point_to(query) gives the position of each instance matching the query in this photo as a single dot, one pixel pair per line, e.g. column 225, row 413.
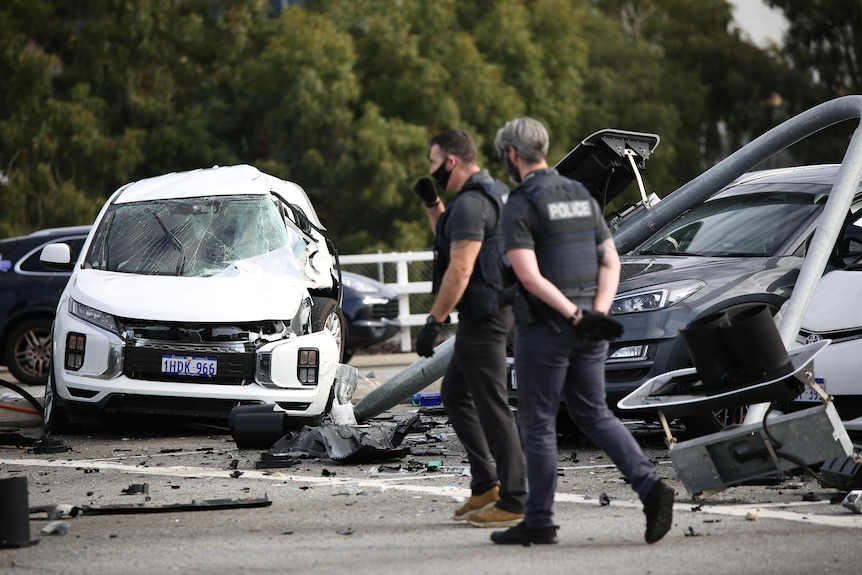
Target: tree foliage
column 341, row 96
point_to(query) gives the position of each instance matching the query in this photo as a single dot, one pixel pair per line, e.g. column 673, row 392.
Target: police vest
column 480, row 300
column 565, row 242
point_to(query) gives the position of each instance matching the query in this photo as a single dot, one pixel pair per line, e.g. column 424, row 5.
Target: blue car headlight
column 93, row 316
column 655, row 297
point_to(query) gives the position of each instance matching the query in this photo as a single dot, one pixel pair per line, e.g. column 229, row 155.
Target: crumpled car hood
column 249, row 290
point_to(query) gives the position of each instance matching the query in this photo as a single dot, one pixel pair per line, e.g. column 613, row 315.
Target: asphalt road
column 321, row 516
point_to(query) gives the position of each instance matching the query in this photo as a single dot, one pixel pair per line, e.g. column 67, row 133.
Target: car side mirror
column 57, row 257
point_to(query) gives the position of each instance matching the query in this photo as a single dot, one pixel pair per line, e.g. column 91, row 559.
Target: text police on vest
column 567, row 210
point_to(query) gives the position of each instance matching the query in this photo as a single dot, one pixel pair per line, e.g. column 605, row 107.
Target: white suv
column 196, row 292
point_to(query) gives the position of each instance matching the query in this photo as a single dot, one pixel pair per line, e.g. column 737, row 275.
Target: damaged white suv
column 196, row 292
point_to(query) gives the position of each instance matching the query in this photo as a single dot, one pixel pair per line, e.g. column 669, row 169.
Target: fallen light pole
column 412, row 379
column 762, row 445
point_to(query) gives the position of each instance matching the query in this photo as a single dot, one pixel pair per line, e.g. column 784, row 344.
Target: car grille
column 388, row 310
column 146, row 363
column 836, row 336
column 232, row 345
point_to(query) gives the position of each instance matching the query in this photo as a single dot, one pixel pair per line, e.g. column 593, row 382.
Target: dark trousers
column 474, row 395
column 550, row 365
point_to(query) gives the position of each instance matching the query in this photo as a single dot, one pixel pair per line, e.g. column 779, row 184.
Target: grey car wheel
column 326, row 314
column 28, row 351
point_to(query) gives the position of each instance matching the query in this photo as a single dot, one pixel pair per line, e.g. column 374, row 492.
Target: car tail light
column 307, row 365
column 75, row 344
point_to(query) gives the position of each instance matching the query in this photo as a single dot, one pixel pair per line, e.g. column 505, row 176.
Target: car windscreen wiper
column 667, row 253
column 181, row 262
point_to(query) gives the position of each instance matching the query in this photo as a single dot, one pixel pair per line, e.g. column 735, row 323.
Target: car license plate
column 808, row 395
column 188, row 365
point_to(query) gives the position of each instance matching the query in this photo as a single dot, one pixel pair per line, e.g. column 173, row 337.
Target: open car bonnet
column 607, row 161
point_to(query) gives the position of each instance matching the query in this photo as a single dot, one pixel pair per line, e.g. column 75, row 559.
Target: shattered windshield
column 186, row 237
column 741, row 225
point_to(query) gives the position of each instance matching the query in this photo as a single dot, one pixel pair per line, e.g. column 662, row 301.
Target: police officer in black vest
column 565, row 258
column 468, row 249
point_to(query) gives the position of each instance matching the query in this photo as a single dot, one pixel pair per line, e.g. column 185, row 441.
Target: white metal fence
column 409, row 274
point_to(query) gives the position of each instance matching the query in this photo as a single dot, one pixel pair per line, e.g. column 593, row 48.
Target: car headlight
column 359, row 285
column 655, row 297
column 93, row 316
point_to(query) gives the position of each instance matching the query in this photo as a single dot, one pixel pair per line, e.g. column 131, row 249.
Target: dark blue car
column 28, row 298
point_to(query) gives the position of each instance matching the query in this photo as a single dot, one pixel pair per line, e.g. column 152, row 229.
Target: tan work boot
column 494, row 517
column 478, row 503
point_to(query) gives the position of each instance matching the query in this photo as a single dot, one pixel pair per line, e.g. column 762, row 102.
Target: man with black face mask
column 468, row 248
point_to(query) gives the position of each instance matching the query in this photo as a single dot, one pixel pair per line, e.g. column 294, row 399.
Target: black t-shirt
column 521, row 221
column 472, row 216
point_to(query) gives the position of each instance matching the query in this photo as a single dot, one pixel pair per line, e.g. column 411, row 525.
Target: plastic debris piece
column 16, row 440
column 273, row 461
column 54, row 512
column 342, row 414
column 853, row 501
column 56, row 528
column 425, row 398
column 47, row 444
column 347, row 444
column 753, row 515
column 604, row 499
column 136, row 488
column 810, row 496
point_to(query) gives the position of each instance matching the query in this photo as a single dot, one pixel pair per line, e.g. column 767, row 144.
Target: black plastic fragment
column 136, row 488
column 47, row 444
column 204, row 505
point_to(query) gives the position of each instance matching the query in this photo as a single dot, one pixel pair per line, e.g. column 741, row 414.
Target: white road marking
column 411, row 483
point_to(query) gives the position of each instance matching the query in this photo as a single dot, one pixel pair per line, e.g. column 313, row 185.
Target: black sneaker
column 659, row 511
column 520, row 534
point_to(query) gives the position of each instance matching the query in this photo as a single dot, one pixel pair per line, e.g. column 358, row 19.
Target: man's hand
column 427, row 338
column 597, row 326
column 425, row 189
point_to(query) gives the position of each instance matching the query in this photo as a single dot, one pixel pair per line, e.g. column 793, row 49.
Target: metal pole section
column 828, row 228
column 412, row 379
column 642, row 225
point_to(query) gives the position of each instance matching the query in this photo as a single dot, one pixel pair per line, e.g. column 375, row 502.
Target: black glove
column 427, row 338
column 425, row 189
column 597, row 326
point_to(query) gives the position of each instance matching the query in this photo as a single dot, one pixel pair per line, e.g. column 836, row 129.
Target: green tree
column 722, row 84
column 823, row 53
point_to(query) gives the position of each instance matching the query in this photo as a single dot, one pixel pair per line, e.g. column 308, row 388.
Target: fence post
column 402, row 277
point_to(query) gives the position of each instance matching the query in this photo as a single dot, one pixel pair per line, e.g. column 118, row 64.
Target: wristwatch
column 431, row 320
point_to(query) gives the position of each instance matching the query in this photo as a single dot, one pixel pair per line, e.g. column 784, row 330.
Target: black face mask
column 511, row 170
column 441, row 175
